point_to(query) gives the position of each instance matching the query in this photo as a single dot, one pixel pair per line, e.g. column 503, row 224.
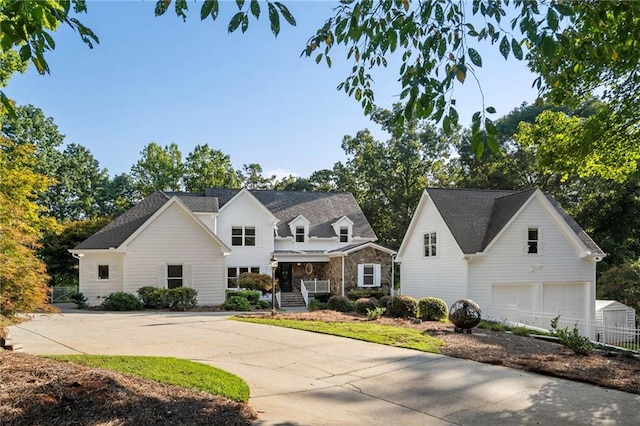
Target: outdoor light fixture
column 273, row 264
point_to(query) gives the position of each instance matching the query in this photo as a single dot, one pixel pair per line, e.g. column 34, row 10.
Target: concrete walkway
column 301, row 378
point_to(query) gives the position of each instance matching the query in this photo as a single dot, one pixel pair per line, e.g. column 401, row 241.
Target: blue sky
column 250, row 95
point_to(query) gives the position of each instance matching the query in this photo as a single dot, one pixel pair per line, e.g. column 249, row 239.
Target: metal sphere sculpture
column 465, row 314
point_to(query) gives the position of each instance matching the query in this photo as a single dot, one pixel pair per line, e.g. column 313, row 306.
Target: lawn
column 367, row 331
column 171, row 371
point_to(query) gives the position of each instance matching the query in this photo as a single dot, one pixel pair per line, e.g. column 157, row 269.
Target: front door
column 284, row 277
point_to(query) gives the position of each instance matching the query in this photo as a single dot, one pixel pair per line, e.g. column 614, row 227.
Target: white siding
column 443, row 276
column 95, row 289
column 559, row 264
column 244, row 211
column 174, row 238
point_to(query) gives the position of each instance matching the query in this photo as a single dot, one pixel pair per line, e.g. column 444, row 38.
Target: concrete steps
column 292, row 299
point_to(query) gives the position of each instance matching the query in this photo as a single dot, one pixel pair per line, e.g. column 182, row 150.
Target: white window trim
column 436, row 245
column 305, row 232
column 182, row 276
column 243, row 236
column 237, row 268
column 348, row 234
column 376, row 274
column 541, row 241
column 108, row 272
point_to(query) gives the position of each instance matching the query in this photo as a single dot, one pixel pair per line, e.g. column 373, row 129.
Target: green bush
column 258, row 282
column 79, row 299
column 580, row 345
column 374, row 314
column 316, row 305
column 182, row 298
column 153, row 297
column 253, row 296
column 384, row 302
column 365, row 304
column 236, row 303
column 264, row 304
column 432, row 309
column 402, row 307
column 364, row 293
column 491, row 325
column 340, row 304
column 322, row 297
column 121, row 301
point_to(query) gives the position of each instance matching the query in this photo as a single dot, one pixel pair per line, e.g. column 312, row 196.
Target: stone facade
column 308, row 271
column 351, row 262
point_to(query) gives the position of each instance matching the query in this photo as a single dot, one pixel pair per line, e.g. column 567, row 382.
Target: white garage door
column 505, row 297
column 569, row 299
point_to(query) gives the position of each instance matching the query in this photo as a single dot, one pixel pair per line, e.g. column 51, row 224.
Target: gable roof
column 475, row 217
column 355, row 247
column 322, row 209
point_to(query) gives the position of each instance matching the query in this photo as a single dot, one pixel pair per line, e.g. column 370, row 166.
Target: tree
column 252, row 178
column 81, row 186
column 209, row 168
column 23, row 277
column 387, row 178
column 120, row 195
column 55, row 243
column 294, row 183
column 158, row 169
column 621, row 283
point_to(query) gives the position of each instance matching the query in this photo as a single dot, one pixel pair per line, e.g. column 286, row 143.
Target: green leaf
column 439, row 14
column 25, row 53
column 552, row 19
column 328, row 60
column 161, row 7
column 475, row 57
column 255, row 8
column 240, row 3
column 476, row 143
column 446, row 125
column 235, row 21
column 492, row 142
column 318, row 58
column 274, row 18
column 505, row 47
column 8, row 104
column 206, row 9
column 245, row 23
column 516, row 49
column 491, row 110
column 286, row 14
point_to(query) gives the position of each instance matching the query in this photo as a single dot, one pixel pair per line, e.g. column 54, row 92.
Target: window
column 344, row 234
column 174, row 276
column 430, row 244
column 300, row 234
column 103, row 272
column 369, row 275
column 243, row 236
column 234, row 273
column 532, row 240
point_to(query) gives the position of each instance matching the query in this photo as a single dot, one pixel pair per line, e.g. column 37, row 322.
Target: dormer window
column 344, row 234
column 300, row 234
column 299, row 229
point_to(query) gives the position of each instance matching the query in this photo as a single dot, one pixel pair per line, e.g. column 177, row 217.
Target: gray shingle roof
column 475, row 217
column 320, row 208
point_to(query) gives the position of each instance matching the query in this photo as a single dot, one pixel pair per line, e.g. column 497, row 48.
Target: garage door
column 504, row 298
column 570, row 300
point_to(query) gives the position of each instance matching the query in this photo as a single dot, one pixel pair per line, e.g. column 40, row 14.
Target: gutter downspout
column 342, row 257
column 393, row 275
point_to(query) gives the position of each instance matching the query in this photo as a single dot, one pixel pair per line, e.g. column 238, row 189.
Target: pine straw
column 42, row 391
column 603, row 368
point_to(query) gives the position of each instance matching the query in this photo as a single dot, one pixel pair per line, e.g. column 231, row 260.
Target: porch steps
column 292, row 299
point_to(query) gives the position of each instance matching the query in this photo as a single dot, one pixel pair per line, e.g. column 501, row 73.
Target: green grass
column 367, row 331
column 171, row 371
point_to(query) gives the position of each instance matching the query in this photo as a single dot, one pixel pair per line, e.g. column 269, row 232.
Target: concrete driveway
column 301, row 378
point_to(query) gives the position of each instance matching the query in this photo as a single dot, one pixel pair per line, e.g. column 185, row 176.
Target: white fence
column 623, row 337
column 311, row 287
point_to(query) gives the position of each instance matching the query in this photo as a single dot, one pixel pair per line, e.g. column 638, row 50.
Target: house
column 513, row 252
column 323, row 243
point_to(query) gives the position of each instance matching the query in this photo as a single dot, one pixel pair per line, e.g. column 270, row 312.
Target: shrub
column 258, row 282
column 253, row 296
column 491, row 325
column 182, row 298
column 384, row 302
column 236, row 303
column 79, row 299
column 340, row 304
column 402, row 307
column 432, row 309
column 121, row 301
column 580, row 345
column 322, row 297
column 364, row 293
column 374, row 314
column 316, row 305
column 521, row 331
column 264, row 304
column 365, row 304
column 153, row 297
